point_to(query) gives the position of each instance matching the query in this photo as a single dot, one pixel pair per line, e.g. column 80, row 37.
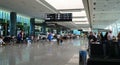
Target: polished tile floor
column 43, row 53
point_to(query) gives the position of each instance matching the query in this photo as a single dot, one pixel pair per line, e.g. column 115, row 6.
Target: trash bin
column 82, row 57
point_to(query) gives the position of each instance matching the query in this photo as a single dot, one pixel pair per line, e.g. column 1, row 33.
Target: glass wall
column 39, row 27
column 23, row 23
column 4, row 15
column 4, row 22
column 115, row 27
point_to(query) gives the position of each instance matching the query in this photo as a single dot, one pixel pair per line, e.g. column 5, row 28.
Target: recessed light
column 94, row 3
column 105, row 5
column 107, row 0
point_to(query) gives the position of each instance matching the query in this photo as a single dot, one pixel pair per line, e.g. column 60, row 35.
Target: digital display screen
column 59, row 17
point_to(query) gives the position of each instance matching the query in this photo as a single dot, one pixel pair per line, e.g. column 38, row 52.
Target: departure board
column 59, row 17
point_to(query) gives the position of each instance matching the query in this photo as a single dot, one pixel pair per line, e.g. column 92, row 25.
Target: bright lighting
column 45, row 5
column 81, row 22
column 66, row 4
column 75, row 14
column 86, row 29
column 79, row 19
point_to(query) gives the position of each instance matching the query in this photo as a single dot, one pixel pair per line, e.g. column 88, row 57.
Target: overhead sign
column 59, row 17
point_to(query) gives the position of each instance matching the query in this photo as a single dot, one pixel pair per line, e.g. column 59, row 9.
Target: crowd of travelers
column 23, row 38
column 108, row 43
column 108, row 37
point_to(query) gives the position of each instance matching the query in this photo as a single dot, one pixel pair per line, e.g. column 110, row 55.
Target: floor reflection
column 45, row 53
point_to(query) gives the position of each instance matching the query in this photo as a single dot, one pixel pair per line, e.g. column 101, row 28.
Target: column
column 44, row 27
column 58, row 30
column 32, row 26
column 51, row 30
column 12, row 24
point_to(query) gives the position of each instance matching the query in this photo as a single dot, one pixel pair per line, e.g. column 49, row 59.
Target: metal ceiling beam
column 71, row 10
column 87, row 8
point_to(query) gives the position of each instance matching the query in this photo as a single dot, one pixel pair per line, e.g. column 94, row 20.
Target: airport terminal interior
column 59, row 32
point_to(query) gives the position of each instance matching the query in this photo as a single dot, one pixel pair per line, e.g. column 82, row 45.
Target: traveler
column 109, row 37
column 1, row 41
column 50, row 37
column 118, row 38
column 92, row 38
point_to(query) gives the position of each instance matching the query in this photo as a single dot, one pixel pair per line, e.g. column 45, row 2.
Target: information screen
column 59, row 17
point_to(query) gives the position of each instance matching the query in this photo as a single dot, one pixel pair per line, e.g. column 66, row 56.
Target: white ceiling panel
column 66, row 4
column 74, row 14
column 80, row 19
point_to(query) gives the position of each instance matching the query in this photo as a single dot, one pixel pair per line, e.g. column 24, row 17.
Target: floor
column 43, row 53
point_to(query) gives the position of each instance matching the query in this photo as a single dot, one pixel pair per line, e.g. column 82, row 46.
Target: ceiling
column 31, row 8
column 79, row 20
column 102, row 13
column 38, row 9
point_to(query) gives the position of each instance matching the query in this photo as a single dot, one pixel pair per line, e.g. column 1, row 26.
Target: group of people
column 110, row 44
column 58, row 37
column 108, row 37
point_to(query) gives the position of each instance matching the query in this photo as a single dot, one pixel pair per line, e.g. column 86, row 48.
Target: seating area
column 104, row 54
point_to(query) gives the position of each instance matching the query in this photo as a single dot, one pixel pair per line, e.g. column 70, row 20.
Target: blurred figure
column 109, row 43
column 95, row 34
column 29, row 40
column 92, row 38
column 38, row 37
column 58, row 38
column 1, row 41
column 114, row 39
column 109, row 36
column 100, row 37
column 21, row 37
column 50, row 37
column 118, row 38
column 85, row 35
column 105, row 37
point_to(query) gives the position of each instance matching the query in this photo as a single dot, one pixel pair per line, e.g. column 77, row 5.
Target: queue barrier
column 94, row 61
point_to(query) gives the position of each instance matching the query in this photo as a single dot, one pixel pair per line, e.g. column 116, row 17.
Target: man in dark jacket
column 92, row 38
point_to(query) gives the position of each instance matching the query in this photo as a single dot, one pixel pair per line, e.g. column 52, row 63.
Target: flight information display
column 59, row 17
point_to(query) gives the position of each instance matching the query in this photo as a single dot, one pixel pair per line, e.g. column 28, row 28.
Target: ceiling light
column 74, row 14
column 81, row 22
column 94, row 3
column 66, row 4
column 79, row 19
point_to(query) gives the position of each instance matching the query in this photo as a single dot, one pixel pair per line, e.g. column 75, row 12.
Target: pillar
column 58, row 31
column 44, row 27
column 12, row 24
column 32, row 26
